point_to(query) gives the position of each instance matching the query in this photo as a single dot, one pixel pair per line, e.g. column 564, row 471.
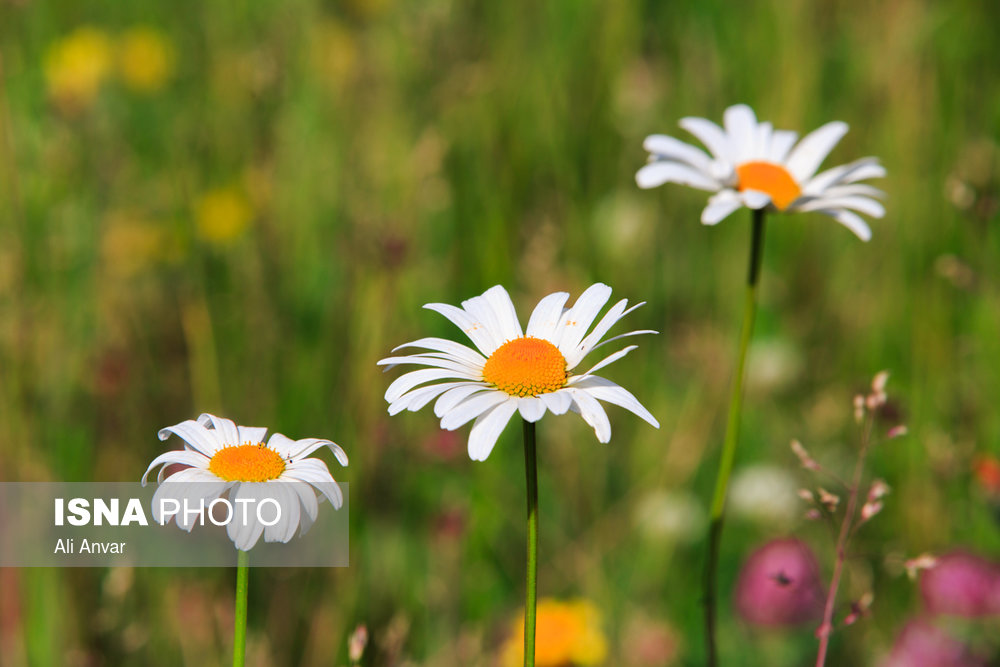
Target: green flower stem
column 531, row 475
column 240, row 631
column 732, row 436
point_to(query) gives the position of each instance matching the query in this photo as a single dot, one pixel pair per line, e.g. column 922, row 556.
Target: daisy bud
column 807, row 461
column 779, row 585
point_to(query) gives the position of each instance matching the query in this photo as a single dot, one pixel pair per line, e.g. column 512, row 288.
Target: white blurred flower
column 753, row 165
column 765, row 493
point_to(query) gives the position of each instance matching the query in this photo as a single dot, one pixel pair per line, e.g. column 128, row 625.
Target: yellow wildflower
column 566, row 634
column 145, row 59
column 76, row 66
column 222, row 214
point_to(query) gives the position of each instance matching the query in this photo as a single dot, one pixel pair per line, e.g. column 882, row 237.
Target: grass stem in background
column 732, row 438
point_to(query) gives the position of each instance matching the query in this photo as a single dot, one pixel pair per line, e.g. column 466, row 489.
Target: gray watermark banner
column 180, row 524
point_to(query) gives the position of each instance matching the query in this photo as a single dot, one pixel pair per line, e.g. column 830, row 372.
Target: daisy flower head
column 752, row 164
column 222, row 458
column 513, row 370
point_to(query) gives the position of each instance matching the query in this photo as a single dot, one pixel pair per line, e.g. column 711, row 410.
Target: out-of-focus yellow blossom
column 145, row 59
column 130, row 245
column 334, row 53
column 222, row 214
column 566, row 634
column 76, row 66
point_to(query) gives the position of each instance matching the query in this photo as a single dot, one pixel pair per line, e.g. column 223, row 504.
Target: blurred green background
column 239, row 208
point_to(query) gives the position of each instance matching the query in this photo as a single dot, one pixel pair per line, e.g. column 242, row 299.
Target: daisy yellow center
column 247, row 463
column 769, row 178
column 526, row 367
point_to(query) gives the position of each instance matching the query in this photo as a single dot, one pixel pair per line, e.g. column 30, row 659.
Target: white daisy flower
column 515, row 371
column 753, row 165
column 223, row 457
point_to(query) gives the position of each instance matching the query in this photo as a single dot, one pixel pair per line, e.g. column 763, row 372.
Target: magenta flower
column 921, row 644
column 779, row 585
column 962, row 584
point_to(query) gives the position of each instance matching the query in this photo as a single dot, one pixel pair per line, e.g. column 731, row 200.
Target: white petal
column 557, row 402
column 741, row 127
column 225, row 428
column 805, row 158
column 781, row 142
column 481, row 337
column 617, row 312
column 481, row 311
column 761, row 148
column 754, row 199
column 660, row 172
column 182, row 456
column 418, row 398
column 606, row 390
column 244, row 529
column 298, row 449
column 577, row 320
column 852, row 221
column 191, row 487
column 408, row 381
column 663, row 146
column 456, row 395
column 854, row 190
column 499, row 300
column 860, row 204
column 460, row 368
column 457, row 350
column 720, row 206
column 308, row 499
column 531, row 408
column 592, row 413
column 711, row 135
column 858, row 170
column 604, row 362
column 546, row 315
column 288, row 519
column 487, row 429
column 315, row 473
column 471, row 408
column 205, row 441
column 251, row 434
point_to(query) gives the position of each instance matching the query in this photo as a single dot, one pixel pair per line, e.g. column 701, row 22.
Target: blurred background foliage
column 239, row 208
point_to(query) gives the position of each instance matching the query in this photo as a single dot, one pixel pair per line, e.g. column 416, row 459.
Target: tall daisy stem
column 531, row 475
column 240, row 631
column 732, row 437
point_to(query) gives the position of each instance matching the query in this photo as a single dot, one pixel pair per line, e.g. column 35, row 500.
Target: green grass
column 398, row 153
